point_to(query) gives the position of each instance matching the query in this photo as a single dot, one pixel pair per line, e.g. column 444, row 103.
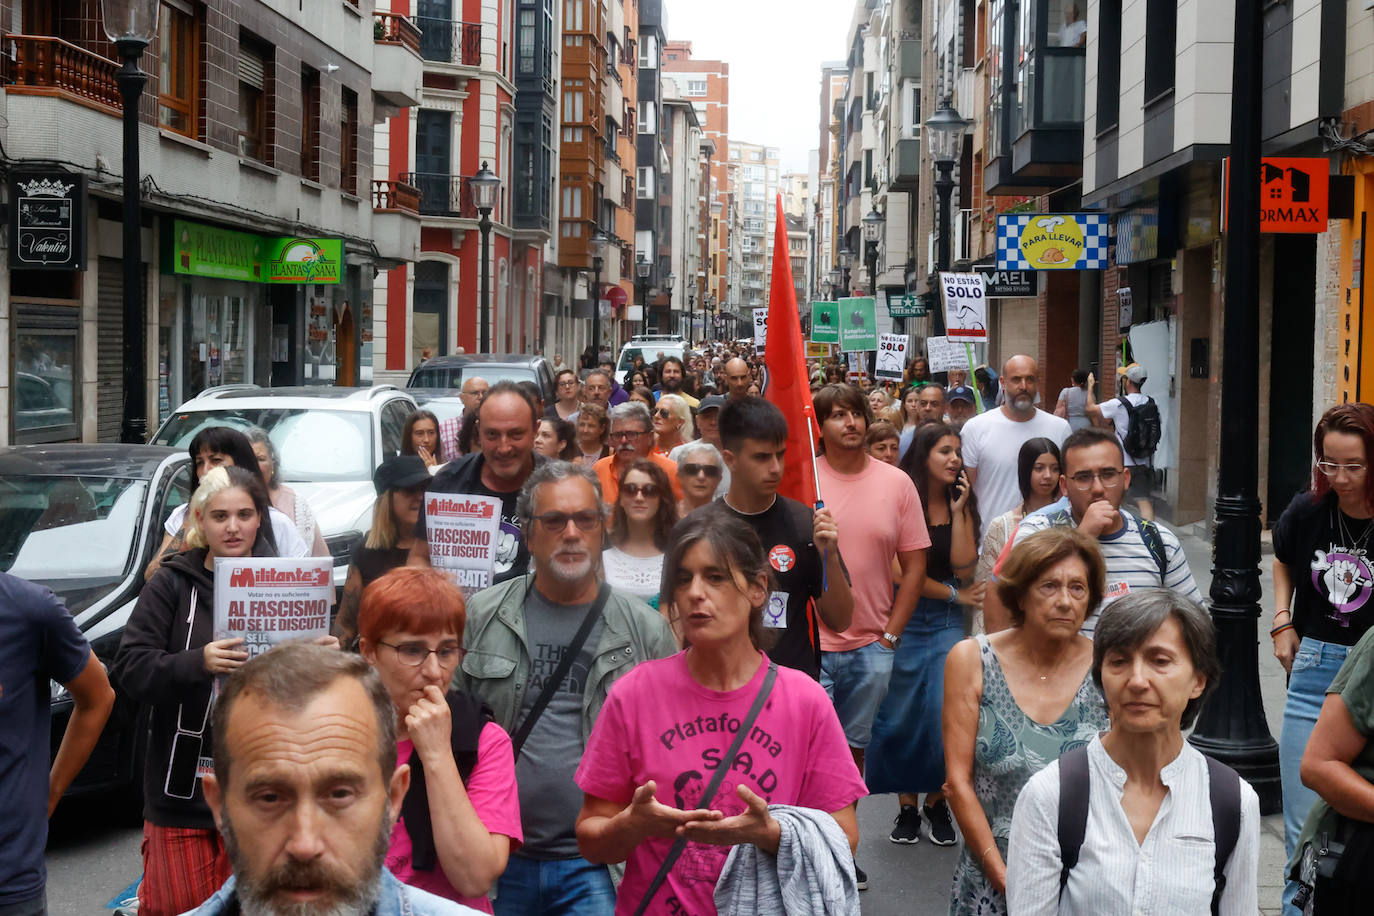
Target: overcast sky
column 775, row 49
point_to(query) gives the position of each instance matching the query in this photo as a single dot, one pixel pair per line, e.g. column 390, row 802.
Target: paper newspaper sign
column 943, row 354
column 891, row 357
column 270, row 600
column 462, row 533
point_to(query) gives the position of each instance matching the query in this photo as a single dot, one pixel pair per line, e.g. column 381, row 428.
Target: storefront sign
column 825, row 322
column 909, row 306
column 1051, row 241
column 304, row 260
column 47, row 221
column 1294, row 194
column 1008, row 284
column 199, row 250
column 268, row 600
column 858, row 324
column 966, row 307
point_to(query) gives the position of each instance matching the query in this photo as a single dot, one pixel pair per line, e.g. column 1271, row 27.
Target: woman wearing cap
column 400, row 482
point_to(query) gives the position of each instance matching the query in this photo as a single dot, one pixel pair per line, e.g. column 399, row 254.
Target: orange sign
column 1293, row 194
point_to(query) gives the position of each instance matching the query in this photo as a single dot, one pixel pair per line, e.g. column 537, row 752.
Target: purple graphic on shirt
column 1347, row 580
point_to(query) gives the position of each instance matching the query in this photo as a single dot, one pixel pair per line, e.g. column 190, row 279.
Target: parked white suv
column 649, row 346
column 330, row 440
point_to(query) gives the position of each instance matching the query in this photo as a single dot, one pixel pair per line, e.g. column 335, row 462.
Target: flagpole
column 810, row 413
column 977, row 397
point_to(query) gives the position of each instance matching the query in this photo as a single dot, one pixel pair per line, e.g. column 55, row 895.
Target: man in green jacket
column 516, row 636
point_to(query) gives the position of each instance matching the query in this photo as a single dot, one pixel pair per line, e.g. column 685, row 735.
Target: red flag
column 787, row 384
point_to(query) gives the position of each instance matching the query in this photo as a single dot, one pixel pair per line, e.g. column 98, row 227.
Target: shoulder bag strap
column 1224, row 794
column 706, row 797
column 564, row 666
column 1073, row 810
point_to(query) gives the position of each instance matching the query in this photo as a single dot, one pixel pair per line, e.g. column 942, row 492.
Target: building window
column 695, row 88
column 572, row 15
column 526, row 41
column 310, row 123
column 648, row 52
column 1109, row 64
column 178, row 81
column 645, row 180
column 47, row 373
column 255, row 98
column 1161, row 33
column 348, row 143
column 648, row 122
column 573, row 106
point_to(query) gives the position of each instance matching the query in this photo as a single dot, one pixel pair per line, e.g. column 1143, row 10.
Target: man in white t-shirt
column 1114, row 415
column 992, row 440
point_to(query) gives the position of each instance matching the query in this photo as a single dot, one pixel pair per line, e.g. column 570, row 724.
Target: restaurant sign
column 47, row 221
column 199, row 250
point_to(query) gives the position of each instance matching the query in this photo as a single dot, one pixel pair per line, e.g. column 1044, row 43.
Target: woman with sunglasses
column 1322, row 547
column 644, row 514
column 699, row 470
column 672, row 423
column 462, row 812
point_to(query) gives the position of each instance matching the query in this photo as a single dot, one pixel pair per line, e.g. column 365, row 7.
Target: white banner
column 856, row 360
column 944, row 354
column 966, row 307
column 760, row 329
column 462, row 533
column 891, row 356
column 270, row 600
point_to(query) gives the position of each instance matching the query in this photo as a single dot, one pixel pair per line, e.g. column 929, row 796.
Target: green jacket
column 496, row 666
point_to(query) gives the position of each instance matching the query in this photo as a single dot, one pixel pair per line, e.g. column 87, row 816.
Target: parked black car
column 450, row 371
column 84, row 520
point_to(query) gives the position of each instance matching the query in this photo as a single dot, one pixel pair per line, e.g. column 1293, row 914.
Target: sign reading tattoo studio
column 47, row 221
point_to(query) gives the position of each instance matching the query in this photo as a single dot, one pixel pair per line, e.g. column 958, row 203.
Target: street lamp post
column 131, row 25
column 842, row 257
column 485, row 186
column 668, row 288
column 946, row 131
column 873, row 230
column 598, row 247
column 1231, row 725
column 642, row 268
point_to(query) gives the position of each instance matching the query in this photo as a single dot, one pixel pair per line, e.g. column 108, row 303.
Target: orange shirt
column 610, row 479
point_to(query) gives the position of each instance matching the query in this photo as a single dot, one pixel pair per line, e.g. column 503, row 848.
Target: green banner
column 825, row 322
column 909, row 306
column 858, row 324
column 305, row 261
column 197, row 250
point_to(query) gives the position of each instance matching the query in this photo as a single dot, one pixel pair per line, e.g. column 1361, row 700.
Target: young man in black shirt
column 802, row 546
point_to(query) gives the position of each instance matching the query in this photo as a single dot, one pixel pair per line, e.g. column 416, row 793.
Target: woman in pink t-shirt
column 461, row 815
column 667, row 725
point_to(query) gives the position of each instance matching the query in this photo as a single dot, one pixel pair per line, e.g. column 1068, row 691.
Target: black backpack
column 1142, row 436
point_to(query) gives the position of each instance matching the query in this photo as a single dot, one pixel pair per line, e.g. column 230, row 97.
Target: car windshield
column 75, row 535
column 650, row 352
column 454, row 376
column 313, row 445
column 445, row 408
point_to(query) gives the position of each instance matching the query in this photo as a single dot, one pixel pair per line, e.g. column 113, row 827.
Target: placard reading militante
column 462, row 533
column 270, row 600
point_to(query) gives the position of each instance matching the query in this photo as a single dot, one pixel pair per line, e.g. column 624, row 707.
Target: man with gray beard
column 543, row 651
column 306, row 790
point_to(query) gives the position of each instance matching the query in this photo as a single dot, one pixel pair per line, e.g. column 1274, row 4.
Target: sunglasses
column 636, row 490
column 692, row 470
column 557, row 522
column 664, row 412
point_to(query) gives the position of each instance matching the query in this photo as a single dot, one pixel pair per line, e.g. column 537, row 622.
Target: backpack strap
column 1154, row 542
column 1224, row 794
column 1073, row 809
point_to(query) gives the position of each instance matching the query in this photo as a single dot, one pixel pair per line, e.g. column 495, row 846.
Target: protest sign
column 856, row 361
column 269, row 600
column 825, row 322
column 760, row 329
column 817, row 350
column 966, row 307
column 462, row 533
column 944, row 354
column 858, row 324
column 891, row 357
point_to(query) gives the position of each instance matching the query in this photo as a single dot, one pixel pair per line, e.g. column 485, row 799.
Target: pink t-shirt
column 660, row 724
column 491, row 789
column 879, row 514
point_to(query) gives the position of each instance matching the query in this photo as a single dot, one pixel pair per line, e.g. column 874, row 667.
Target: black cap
column 400, row 472
column 711, row 402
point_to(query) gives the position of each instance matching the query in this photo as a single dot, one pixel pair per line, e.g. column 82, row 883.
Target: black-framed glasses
column 629, row 434
column 1111, row 478
column 692, row 470
column 413, row 654
column 557, row 522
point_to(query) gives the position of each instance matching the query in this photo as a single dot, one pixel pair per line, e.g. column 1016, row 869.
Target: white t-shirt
column 991, row 445
column 1121, row 419
column 289, row 543
column 640, row 576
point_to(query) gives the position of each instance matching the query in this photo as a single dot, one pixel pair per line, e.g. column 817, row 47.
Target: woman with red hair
column 462, row 813
column 1323, row 586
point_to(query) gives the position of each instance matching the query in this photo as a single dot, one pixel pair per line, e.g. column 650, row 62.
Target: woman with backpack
column 1143, row 822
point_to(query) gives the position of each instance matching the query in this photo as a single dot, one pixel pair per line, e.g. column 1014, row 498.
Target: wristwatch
column 953, row 594
column 893, row 641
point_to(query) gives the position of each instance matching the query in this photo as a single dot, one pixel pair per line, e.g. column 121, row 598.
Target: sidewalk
column 1273, row 687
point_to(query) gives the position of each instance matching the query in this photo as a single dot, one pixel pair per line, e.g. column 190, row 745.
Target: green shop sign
column 197, row 250
column 908, row 306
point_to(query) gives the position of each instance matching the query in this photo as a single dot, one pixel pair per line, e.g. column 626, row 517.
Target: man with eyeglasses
column 802, row 546
column 451, row 430
column 632, row 436
column 517, row 637
column 1139, row 553
column 569, row 391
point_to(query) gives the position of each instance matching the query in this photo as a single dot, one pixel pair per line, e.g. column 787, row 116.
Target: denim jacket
column 496, row 665
column 395, row 899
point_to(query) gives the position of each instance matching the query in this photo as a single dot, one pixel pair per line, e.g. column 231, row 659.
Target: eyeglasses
column 557, row 522
column 692, row 470
column 414, row 654
column 664, row 412
column 1110, row 477
column 628, row 434
column 568, row 383
column 1048, row 588
column 1331, row 469
column 636, row 490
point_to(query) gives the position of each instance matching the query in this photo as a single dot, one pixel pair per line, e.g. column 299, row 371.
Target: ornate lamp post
column 842, row 258
column 873, row 231
column 598, row 243
column 131, row 25
column 668, row 288
column 642, row 268
column 946, row 131
column 485, row 186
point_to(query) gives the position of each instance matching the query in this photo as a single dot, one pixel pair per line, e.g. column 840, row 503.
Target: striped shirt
column 1130, row 564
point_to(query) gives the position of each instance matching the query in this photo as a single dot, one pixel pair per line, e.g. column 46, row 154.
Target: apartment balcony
column 44, row 65
column 397, row 69
column 613, row 181
column 448, row 41
column 909, row 59
column 443, row 195
column 905, row 164
column 396, row 220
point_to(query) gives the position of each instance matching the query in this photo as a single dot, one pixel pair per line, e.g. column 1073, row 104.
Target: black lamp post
column 485, row 186
column 946, row 131
column 873, row 230
column 668, row 288
column 642, row 268
column 842, row 258
column 598, row 246
column 131, row 25
column 1231, row 725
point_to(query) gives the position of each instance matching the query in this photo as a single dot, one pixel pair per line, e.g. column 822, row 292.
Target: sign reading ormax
column 48, row 221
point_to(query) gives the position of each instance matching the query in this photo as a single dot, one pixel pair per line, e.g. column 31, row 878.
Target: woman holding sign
column 167, row 661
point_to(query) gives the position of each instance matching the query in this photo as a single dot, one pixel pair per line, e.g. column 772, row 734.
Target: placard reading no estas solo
column 966, row 307
column 760, row 329
column 891, row 357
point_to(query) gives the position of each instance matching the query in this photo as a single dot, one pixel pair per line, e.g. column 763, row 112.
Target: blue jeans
column 554, row 887
column 856, row 680
column 1314, row 668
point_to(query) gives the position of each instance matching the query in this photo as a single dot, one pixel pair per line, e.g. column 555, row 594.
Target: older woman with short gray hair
column 700, row 470
column 1159, row 826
